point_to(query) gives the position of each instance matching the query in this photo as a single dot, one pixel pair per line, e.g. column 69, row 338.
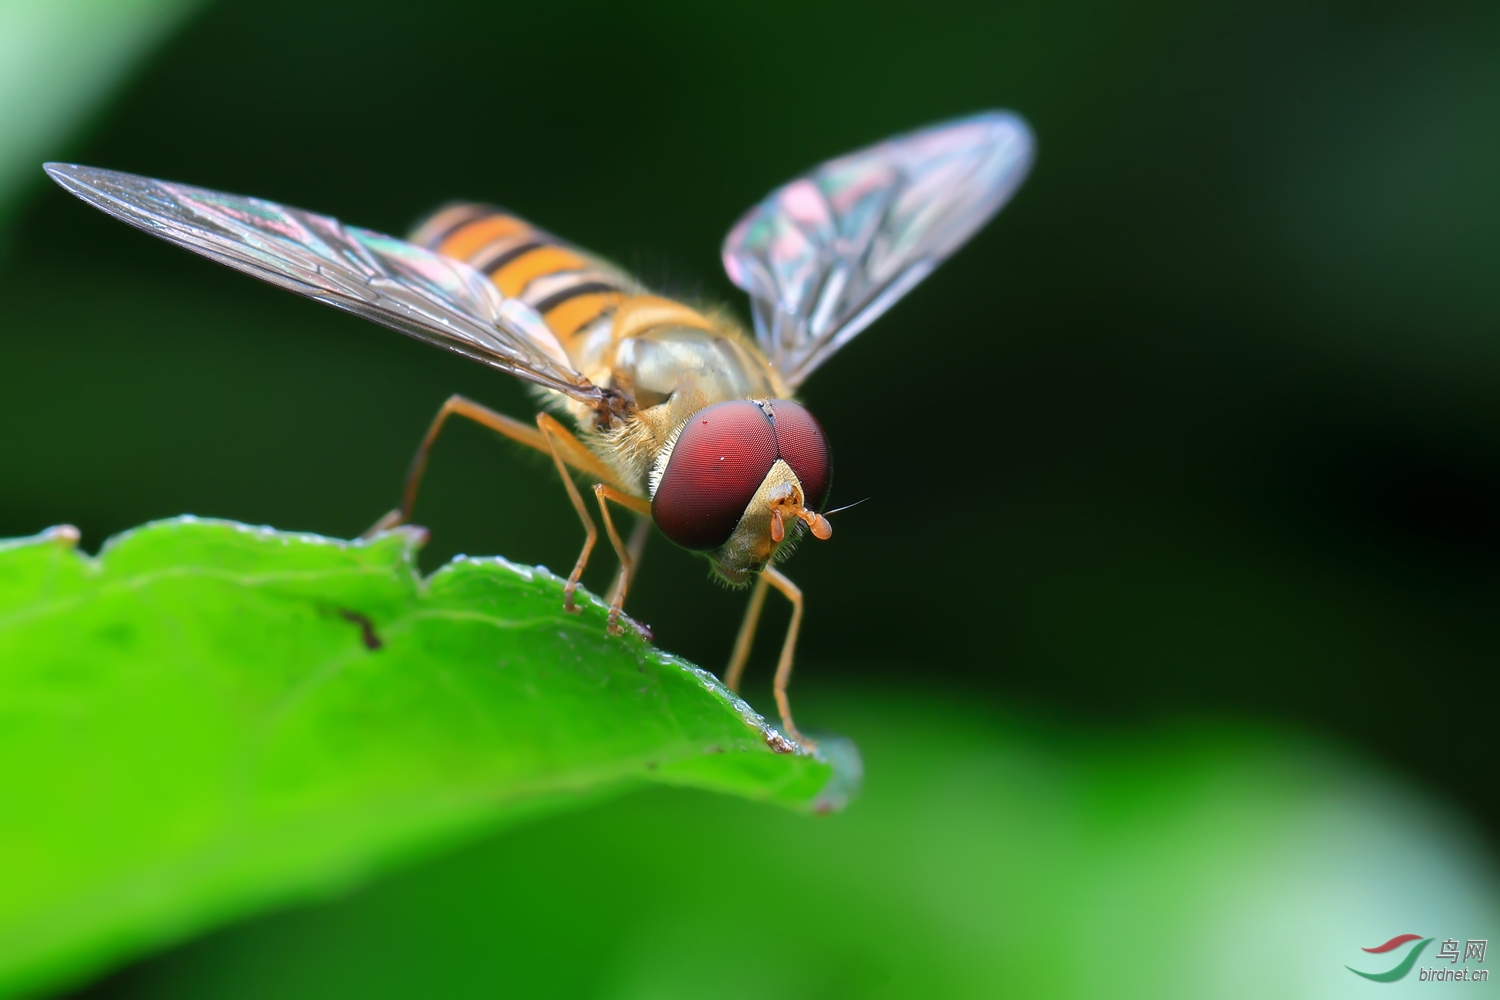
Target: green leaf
column 210, row 719
column 993, row 855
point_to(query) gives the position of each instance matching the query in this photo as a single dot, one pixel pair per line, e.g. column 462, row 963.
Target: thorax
column 670, row 361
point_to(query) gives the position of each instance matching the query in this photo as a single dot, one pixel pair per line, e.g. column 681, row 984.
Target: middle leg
column 641, row 507
column 557, row 439
column 636, row 546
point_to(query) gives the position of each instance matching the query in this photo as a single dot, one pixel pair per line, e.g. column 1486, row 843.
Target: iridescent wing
column 826, row 254
column 399, row 285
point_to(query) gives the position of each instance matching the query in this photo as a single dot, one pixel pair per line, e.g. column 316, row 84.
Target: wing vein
column 824, row 255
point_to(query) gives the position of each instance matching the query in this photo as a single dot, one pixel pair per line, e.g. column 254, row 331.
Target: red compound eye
column 720, row 459
column 800, row 440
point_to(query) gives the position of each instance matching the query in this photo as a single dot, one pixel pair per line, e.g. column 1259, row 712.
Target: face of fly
column 738, row 479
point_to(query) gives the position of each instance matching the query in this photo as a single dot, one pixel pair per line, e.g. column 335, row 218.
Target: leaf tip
column 842, row 755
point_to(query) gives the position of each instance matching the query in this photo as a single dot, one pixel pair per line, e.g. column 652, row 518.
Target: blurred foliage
column 58, row 60
column 214, row 719
column 1204, row 424
column 988, row 858
column 1210, row 410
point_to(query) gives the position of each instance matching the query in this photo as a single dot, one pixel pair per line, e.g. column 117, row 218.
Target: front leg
column 746, row 638
column 792, row 593
column 567, row 449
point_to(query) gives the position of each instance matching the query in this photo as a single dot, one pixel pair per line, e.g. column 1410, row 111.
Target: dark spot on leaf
column 714, row 749
column 366, row 628
column 650, row 765
column 120, row 635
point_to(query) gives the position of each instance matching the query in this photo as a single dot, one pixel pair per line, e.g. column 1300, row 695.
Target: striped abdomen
column 567, row 286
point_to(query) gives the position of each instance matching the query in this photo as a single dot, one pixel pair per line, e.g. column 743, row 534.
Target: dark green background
column 1205, row 423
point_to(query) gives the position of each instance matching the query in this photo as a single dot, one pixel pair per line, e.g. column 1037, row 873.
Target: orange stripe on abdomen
column 467, row 240
column 513, row 277
column 444, row 222
column 568, row 317
column 570, row 289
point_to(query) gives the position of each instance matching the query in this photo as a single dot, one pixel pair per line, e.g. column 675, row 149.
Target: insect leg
column 746, row 638
column 512, row 428
column 784, row 667
column 635, row 546
column 567, row 448
column 555, row 434
column 605, row 493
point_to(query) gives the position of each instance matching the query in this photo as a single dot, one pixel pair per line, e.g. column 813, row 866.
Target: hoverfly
column 680, row 415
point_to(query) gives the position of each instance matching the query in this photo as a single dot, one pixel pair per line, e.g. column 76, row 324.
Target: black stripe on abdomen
column 491, row 266
column 586, row 288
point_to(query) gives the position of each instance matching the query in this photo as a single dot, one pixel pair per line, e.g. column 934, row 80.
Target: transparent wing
column 402, row 286
column 826, row 254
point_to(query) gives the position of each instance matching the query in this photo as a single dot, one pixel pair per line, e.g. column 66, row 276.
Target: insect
column 678, row 414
